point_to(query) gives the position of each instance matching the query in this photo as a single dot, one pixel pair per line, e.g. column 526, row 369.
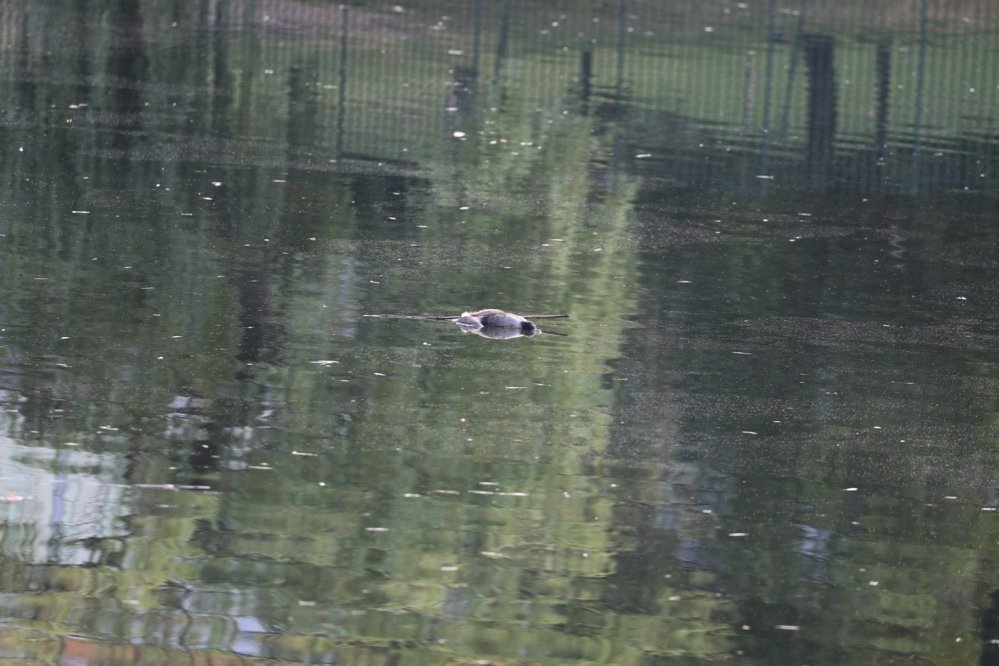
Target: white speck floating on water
column 458, row 134
column 787, row 627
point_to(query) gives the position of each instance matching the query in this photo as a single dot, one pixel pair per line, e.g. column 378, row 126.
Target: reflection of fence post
column 477, row 35
column 129, row 62
column 918, row 120
column 748, row 93
column 767, row 92
column 502, row 41
column 819, row 149
column 882, row 72
column 792, row 69
column 342, row 97
column 771, row 40
column 622, row 31
column 463, row 91
column 585, row 80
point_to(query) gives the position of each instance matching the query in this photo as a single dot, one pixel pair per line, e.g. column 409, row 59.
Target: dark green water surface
column 768, row 433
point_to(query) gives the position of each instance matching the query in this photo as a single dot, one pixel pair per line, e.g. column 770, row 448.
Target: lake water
column 767, row 433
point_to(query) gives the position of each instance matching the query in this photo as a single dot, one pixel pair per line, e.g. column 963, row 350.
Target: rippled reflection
column 765, row 432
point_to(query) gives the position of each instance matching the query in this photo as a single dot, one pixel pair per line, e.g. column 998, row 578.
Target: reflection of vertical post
column 771, row 40
column 767, row 88
column 26, row 87
column 342, row 97
column 222, row 123
column 918, row 119
column 466, row 79
column 990, row 632
column 477, row 36
column 501, row 41
column 748, row 90
column 821, row 105
column 622, row 31
column 882, row 67
column 82, row 40
column 303, row 106
column 793, row 69
column 129, row 62
column 585, row 80
column 463, row 90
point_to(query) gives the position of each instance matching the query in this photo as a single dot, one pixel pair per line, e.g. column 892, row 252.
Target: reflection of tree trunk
column 821, row 105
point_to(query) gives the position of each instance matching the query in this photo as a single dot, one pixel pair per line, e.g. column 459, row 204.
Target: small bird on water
column 490, row 322
column 492, row 318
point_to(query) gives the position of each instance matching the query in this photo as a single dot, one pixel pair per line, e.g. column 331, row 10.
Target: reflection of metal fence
column 879, row 96
column 898, row 96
